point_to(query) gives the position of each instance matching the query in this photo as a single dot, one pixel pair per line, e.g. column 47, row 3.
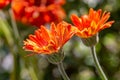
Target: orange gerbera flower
column 4, row 3
column 89, row 25
column 49, row 41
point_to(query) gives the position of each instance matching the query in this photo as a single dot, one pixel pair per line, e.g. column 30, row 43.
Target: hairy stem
column 62, row 71
column 97, row 64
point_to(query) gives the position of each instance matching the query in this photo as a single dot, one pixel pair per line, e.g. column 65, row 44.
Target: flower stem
column 14, row 25
column 102, row 74
column 62, row 71
column 16, row 71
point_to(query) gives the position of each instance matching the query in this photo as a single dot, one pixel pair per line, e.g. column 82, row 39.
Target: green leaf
column 5, row 31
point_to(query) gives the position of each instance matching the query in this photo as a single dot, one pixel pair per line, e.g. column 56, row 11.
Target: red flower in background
column 38, row 12
column 4, row 3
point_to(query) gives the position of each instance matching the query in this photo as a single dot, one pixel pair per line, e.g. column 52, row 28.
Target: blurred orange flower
column 4, row 3
column 89, row 25
column 38, row 12
column 46, row 41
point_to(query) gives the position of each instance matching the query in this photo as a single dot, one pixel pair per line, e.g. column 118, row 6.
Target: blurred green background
column 78, row 61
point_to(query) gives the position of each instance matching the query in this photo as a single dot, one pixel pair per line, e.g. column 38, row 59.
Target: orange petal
column 77, row 21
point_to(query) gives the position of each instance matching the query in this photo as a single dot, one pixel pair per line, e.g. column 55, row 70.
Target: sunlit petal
column 91, row 24
column 46, row 41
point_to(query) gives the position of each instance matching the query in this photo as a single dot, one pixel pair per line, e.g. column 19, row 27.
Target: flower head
column 38, row 12
column 4, row 3
column 91, row 24
column 46, row 41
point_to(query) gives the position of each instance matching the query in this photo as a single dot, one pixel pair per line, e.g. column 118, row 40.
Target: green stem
column 16, row 71
column 102, row 74
column 32, row 73
column 62, row 71
column 14, row 25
